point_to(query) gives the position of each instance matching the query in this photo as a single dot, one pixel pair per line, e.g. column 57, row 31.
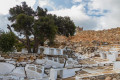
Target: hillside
column 110, row 36
column 89, row 41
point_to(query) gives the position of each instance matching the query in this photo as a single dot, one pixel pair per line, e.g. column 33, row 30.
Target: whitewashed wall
column 116, row 65
column 24, row 50
column 111, row 57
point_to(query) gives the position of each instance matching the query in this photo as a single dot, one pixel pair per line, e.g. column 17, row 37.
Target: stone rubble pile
column 32, row 66
column 54, row 63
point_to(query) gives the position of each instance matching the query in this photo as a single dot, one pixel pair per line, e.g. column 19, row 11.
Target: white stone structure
column 80, row 56
column 53, row 74
column 48, row 63
column 115, row 53
column 68, row 73
column 24, row 50
column 40, row 50
column 70, row 63
column 103, row 55
column 1, row 58
column 50, row 51
column 46, row 50
column 6, row 68
column 62, row 73
column 112, row 56
column 19, row 72
column 34, row 71
column 116, row 65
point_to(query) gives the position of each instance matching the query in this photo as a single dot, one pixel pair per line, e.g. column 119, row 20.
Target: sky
column 89, row 14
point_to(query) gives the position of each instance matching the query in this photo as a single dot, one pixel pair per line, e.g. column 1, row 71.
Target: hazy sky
column 89, row 14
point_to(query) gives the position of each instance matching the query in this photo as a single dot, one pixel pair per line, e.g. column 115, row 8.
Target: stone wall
column 114, row 76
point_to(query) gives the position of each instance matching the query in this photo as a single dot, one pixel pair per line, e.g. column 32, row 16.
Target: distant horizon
column 89, row 14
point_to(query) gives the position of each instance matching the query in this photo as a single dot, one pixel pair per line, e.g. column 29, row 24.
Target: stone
column 114, row 79
column 21, row 58
column 101, row 77
column 34, row 71
column 32, row 58
column 108, row 78
column 39, row 70
column 11, row 62
column 6, row 68
column 40, row 61
column 23, row 64
column 19, row 72
column 31, row 68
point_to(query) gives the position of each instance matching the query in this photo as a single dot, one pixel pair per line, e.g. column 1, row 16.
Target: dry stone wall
column 114, row 76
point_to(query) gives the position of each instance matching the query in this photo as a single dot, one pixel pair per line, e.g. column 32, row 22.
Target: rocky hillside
column 110, row 36
column 89, row 40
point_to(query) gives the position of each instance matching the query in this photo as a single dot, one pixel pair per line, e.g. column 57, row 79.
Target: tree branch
column 9, row 27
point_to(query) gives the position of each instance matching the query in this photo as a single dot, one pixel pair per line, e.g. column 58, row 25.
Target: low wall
column 68, row 73
column 114, row 76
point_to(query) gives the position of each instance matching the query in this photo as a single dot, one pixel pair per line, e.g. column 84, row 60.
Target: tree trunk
column 28, row 44
column 35, row 48
column 27, row 37
column 29, row 49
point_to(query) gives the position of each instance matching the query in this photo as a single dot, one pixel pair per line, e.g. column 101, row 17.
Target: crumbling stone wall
column 113, row 76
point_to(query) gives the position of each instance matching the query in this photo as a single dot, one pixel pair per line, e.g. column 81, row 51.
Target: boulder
column 11, row 62
column 6, row 68
column 50, row 63
column 19, row 72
